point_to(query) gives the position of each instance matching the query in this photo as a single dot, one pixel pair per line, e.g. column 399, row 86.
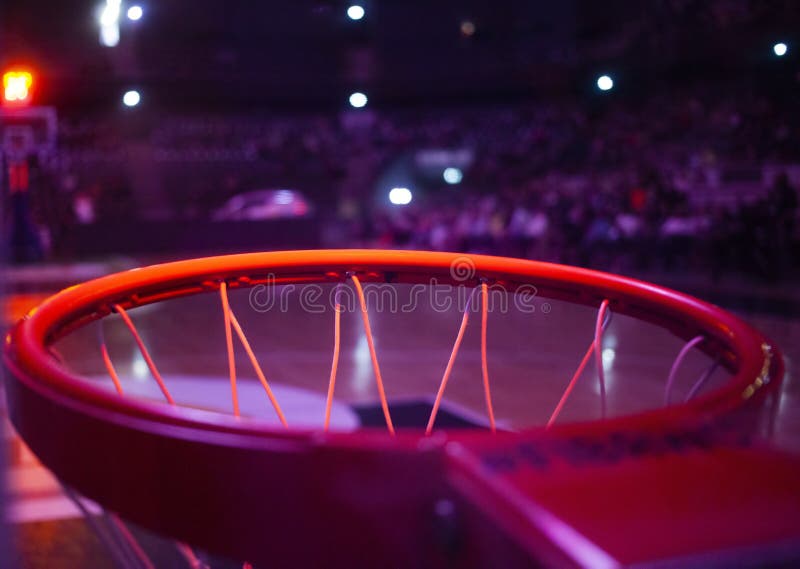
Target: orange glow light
column 17, row 86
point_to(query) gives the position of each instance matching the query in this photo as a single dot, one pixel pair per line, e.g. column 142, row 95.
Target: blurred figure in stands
column 22, row 233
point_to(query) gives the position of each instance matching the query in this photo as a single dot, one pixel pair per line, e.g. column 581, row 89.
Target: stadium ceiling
column 310, row 51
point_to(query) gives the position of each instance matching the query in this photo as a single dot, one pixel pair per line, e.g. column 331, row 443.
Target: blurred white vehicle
column 263, row 204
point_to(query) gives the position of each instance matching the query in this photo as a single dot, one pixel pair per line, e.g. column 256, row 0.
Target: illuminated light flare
column 131, row 98
column 355, row 12
column 108, row 18
column 605, row 83
column 400, row 196
column 17, row 85
column 135, row 13
column 358, row 100
column 452, row 175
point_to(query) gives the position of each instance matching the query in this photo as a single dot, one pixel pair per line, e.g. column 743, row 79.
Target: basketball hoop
column 210, row 479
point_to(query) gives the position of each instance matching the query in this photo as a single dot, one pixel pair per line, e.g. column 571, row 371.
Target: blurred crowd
column 679, row 181
column 636, row 227
column 691, row 137
column 686, row 178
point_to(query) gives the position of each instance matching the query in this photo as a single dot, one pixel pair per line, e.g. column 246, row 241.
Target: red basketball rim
column 743, row 350
column 252, row 491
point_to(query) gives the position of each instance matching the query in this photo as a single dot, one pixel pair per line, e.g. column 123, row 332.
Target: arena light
column 452, row 175
column 605, row 83
column 17, row 86
column 355, row 12
column 780, row 49
column 131, row 98
column 108, row 18
column 109, row 13
column 358, row 100
column 135, row 13
column 109, row 36
column 400, row 196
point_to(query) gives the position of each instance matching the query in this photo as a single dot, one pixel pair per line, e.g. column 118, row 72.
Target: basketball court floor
column 532, row 353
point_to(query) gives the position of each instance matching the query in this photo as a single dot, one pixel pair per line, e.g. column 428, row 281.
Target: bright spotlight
column 452, row 175
column 780, row 49
column 108, row 18
column 605, row 83
column 17, row 86
column 109, row 13
column 131, row 98
column 358, row 100
column 135, row 13
column 355, row 12
column 109, row 36
column 400, row 196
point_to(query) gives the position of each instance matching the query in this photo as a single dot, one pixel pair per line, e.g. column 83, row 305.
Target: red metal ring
column 146, row 447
